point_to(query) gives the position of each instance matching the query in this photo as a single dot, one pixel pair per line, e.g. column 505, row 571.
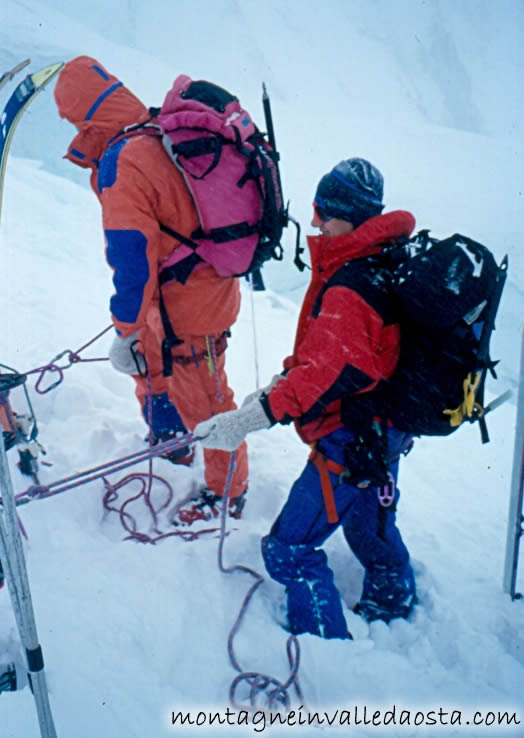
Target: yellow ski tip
column 45, row 75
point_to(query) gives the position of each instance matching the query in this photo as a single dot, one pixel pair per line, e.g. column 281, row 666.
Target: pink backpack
column 232, row 174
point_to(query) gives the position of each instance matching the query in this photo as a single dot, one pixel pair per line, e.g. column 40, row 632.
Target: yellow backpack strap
column 468, row 408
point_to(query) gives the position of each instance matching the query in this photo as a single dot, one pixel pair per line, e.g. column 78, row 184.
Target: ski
column 22, row 97
column 8, row 76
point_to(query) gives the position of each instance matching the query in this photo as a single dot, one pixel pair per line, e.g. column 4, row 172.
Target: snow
column 431, row 93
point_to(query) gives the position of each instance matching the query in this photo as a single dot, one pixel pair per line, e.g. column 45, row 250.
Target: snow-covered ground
column 134, row 632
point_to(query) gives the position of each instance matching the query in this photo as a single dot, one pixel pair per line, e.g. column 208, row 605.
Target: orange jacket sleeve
column 132, row 234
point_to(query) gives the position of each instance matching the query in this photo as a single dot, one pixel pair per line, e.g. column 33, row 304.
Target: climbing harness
column 385, row 491
column 220, row 346
column 324, row 466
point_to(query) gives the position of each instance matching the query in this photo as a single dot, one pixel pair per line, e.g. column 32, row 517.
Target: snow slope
column 132, row 632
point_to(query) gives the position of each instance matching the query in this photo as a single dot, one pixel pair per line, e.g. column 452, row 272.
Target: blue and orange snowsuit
column 347, row 340
column 139, row 189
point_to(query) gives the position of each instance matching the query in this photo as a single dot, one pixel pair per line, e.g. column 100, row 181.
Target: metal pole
column 12, row 553
column 254, row 327
column 515, row 518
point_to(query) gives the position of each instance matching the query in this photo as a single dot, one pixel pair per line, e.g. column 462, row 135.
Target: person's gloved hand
column 226, row 431
column 265, row 390
column 125, row 356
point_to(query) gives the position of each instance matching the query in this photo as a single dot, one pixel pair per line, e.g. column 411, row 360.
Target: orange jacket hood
column 98, row 104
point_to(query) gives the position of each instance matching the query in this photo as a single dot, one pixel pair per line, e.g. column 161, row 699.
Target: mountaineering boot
column 203, row 507
column 236, row 505
column 371, row 610
column 206, row 506
column 182, row 456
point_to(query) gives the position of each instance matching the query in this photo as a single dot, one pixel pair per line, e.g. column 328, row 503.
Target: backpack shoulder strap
column 147, row 128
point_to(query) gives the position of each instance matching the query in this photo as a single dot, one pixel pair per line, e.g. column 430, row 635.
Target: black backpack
column 447, row 294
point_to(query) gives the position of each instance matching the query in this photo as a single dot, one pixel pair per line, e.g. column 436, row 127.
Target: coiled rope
column 261, row 687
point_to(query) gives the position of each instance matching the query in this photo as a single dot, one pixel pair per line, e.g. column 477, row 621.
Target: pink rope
column 99, row 472
column 260, row 685
column 146, row 483
column 111, row 494
column 276, row 693
column 129, row 522
column 72, row 357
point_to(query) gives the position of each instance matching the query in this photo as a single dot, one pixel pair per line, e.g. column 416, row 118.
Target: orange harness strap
column 325, row 466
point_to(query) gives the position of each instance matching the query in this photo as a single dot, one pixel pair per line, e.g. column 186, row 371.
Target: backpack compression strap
column 472, row 407
column 483, row 351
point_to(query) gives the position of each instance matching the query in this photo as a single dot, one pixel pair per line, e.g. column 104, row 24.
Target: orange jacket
column 139, row 188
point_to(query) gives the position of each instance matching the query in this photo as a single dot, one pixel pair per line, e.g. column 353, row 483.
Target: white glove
column 122, row 355
column 265, row 390
column 227, row 430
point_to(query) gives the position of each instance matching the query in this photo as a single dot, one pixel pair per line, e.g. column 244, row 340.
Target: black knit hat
column 352, row 191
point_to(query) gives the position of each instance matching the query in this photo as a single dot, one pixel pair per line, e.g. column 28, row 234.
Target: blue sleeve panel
column 126, row 253
column 108, row 166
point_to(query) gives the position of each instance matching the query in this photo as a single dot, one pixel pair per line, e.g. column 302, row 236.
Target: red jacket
column 347, row 337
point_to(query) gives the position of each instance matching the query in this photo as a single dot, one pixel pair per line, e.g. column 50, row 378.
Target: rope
column 261, row 686
column 276, row 693
column 99, row 472
column 111, row 491
column 128, row 521
column 111, row 494
column 146, row 483
column 73, row 357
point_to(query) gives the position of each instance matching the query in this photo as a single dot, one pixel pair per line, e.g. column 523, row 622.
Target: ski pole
column 515, row 514
column 12, row 554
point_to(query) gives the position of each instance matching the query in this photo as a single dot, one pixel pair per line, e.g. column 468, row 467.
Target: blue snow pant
column 292, row 555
